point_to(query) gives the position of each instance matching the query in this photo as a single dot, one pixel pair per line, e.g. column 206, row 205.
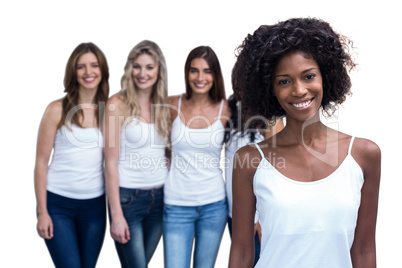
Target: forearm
column 112, row 190
column 40, row 182
column 364, row 258
column 240, row 258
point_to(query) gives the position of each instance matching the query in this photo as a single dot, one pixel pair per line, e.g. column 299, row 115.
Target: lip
column 142, row 80
column 89, row 79
column 303, row 104
column 200, row 85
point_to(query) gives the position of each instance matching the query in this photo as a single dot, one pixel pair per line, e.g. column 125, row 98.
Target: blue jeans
column 257, row 246
column 143, row 210
column 181, row 224
column 79, row 229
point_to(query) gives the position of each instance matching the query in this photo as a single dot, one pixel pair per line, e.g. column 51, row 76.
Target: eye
column 283, row 82
column 310, row 76
column 208, row 71
column 150, row 68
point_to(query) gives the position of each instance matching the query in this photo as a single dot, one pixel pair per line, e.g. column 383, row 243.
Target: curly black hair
column 258, row 55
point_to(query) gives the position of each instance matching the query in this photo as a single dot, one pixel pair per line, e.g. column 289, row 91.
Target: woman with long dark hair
column 70, row 195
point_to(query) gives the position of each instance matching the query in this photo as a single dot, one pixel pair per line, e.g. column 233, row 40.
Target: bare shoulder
column 365, row 147
column 116, row 104
column 173, row 100
column 226, row 109
column 54, row 111
column 247, row 159
column 367, row 153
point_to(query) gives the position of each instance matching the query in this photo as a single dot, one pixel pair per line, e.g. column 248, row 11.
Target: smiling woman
column 320, row 208
column 71, row 205
column 135, row 162
column 297, row 85
column 195, row 199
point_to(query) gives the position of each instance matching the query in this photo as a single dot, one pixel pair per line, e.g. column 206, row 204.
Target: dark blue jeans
column 79, row 229
column 257, row 246
column 143, row 211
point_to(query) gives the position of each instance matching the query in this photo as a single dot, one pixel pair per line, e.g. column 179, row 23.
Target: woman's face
column 200, row 76
column 298, row 85
column 89, row 74
column 145, row 72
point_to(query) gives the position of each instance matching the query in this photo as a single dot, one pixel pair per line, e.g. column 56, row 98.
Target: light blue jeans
column 143, row 212
column 183, row 224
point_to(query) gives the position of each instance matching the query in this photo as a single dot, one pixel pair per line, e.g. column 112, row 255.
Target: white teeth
column 302, row 105
column 89, row 79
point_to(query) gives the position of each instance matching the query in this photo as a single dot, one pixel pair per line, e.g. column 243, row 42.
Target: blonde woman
column 137, row 131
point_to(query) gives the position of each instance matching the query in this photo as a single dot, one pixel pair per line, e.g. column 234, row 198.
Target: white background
column 37, row 38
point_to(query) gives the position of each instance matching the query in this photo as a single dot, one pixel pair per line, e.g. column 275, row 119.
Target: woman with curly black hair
column 315, row 188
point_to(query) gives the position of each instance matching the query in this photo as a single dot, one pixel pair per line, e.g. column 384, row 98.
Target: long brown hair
column 217, row 91
column 70, row 100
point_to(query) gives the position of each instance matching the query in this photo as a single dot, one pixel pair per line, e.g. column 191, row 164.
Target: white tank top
column 236, row 142
column 308, row 224
column 142, row 162
column 76, row 169
column 195, row 177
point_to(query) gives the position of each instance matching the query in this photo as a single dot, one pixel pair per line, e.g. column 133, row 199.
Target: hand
column 45, row 226
column 119, row 230
column 257, row 230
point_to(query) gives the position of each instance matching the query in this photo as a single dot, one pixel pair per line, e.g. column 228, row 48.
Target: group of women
column 153, row 161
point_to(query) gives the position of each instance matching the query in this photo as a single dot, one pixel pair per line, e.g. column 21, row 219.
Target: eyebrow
column 195, row 68
column 305, row 71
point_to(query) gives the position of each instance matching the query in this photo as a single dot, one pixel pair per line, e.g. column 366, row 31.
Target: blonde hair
column 159, row 90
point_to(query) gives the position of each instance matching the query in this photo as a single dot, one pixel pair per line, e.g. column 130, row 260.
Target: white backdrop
column 37, row 38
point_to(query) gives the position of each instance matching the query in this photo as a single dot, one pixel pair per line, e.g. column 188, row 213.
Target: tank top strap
column 220, row 109
column 179, row 105
column 259, row 149
column 351, row 144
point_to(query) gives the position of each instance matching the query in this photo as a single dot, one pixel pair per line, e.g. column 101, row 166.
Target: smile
column 89, row 79
column 142, row 80
column 200, row 85
column 302, row 104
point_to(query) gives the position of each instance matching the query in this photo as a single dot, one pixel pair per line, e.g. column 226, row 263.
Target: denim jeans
column 79, row 229
column 143, row 210
column 257, row 246
column 181, row 224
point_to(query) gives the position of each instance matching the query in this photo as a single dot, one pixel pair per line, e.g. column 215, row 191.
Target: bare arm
column 242, row 249
column 46, row 136
column 113, row 122
column 363, row 252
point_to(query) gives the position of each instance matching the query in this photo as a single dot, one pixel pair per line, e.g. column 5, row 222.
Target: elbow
column 364, row 258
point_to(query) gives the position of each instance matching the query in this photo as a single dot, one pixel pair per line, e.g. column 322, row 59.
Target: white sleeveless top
column 142, row 162
column 76, row 169
column 195, row 177
column 308, row 224
column 236, row 142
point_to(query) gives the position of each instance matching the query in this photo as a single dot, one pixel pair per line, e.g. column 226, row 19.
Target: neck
column 305, row 132
column 144, row 93
column 86, row 96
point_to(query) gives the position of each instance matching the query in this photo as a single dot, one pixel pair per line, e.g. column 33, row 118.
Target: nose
column 142, row 72
column 200, row 76
column 299, row 89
